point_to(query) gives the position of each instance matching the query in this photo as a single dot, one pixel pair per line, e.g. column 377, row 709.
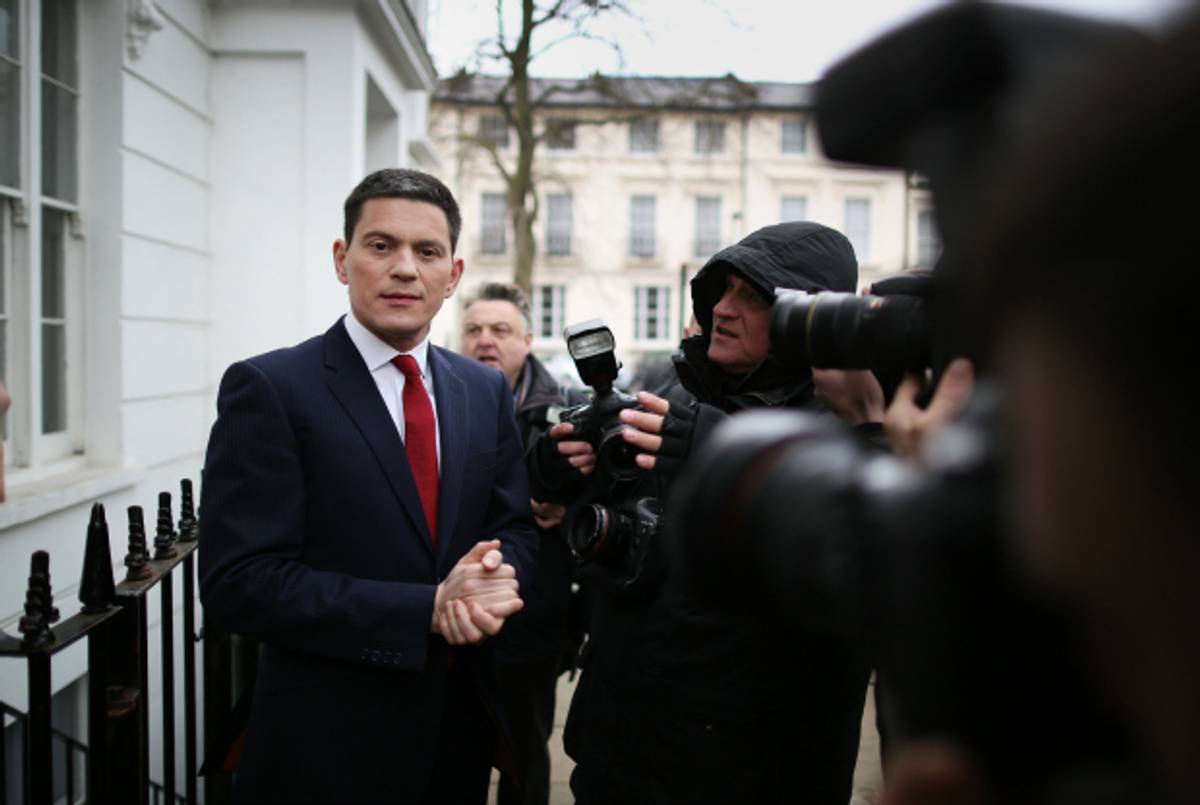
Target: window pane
column 10, row 123
column 858, row 227
column 548, row 302
column 794, row 139
column 493, row 130
column 494, row 232
column 560, row 135
column 643, row 136
column 651, row 312
column 9, row 26
column 58, row 41
column 793, row 208
column 708, row 225
column 58, row 142
column 710, row 137
column 558, row 224
column 54, row 292
column 641, row 226
column 54, row 378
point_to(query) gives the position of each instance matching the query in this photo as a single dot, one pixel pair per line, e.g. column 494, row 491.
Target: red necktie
column 420, row 438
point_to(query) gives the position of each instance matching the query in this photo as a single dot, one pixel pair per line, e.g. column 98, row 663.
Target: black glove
column 552, row 477
column 683, row 426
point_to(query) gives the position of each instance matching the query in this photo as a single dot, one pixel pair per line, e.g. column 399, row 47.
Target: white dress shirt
column 390, row 380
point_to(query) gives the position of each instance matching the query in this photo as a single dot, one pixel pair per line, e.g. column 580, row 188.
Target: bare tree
column 519, row 98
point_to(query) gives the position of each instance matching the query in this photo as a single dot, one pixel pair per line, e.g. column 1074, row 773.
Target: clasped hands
column 478, row 595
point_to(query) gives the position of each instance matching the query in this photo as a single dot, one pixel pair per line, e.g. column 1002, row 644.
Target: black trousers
column 527, row 696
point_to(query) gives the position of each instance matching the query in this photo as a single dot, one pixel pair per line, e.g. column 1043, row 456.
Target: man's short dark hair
column 503, row 292
column 403, row 183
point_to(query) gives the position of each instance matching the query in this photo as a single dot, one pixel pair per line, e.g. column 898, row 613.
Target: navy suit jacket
column 314, row 542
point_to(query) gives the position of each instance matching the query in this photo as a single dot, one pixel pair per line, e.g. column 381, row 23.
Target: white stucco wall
column 214, row 164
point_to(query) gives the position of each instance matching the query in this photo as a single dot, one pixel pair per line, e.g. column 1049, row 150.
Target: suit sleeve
column 252, row 578
column 509, row 517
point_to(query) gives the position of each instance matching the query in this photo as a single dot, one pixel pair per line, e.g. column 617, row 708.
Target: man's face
column 399, row 268
column 740, row 337
column 494, row 333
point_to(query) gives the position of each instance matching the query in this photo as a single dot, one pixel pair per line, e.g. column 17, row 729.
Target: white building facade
column 171, row 180
column 645, row 180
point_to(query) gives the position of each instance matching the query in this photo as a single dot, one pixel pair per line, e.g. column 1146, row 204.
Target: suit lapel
column 348, row 379
column 453, row 427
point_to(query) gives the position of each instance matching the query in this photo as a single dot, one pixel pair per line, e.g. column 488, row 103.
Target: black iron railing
column 114, row 620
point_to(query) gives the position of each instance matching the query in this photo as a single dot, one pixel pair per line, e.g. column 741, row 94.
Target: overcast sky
column 757, row 40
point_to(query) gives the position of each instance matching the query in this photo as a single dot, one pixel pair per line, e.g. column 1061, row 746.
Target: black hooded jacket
column 681, row 702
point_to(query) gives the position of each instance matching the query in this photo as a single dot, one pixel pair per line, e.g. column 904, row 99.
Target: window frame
column 487, row 131
column 642, row 299
column 556, row 295
column 654, row 125
column 493, row 231
column 635, row 230
column 560, row 133
column 707, row 241
column 783, row 204
column 30, row 454
column 790, row 145
column 703, row 134
column 556, row 227
column 861, row 242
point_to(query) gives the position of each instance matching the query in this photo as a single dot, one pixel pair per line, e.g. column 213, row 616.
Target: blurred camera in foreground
column 913, row 559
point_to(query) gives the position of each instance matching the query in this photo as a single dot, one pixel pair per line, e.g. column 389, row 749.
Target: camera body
column 608, row 526
column 597, row 424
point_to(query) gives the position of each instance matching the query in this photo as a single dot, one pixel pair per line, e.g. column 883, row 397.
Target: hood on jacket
column 800, row 255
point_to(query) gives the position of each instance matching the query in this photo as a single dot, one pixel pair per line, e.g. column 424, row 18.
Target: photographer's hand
column 666, row 431
column 646, row 427
column 578, row 453
column 908, row 425
column 547, row 515
column 853, row 394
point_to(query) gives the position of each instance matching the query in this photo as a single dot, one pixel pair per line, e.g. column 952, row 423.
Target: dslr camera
column 608, row 527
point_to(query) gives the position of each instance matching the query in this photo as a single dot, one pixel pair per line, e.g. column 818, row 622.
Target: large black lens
column 616, row 454
column 587, row 530
column 789, row 319
column 768, row 510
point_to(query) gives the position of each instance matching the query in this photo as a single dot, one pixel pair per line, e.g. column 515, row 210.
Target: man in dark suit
column 366, row 516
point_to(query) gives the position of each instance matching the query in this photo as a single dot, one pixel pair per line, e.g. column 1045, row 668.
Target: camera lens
column 617, row 454
column 587, row 530
column 842, row 331
column 785, row 483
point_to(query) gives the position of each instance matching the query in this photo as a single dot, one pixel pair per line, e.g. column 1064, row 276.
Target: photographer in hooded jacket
column 680, row 701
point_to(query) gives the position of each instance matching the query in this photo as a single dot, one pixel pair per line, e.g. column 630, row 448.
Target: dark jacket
column 315, row 543
column 540, row 629
column 681, row 702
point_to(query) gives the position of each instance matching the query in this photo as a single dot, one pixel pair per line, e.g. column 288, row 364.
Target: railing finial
column 137, row 557
column 40, row 611
column 164, row 539
column 189, row 527
column 96, row 588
